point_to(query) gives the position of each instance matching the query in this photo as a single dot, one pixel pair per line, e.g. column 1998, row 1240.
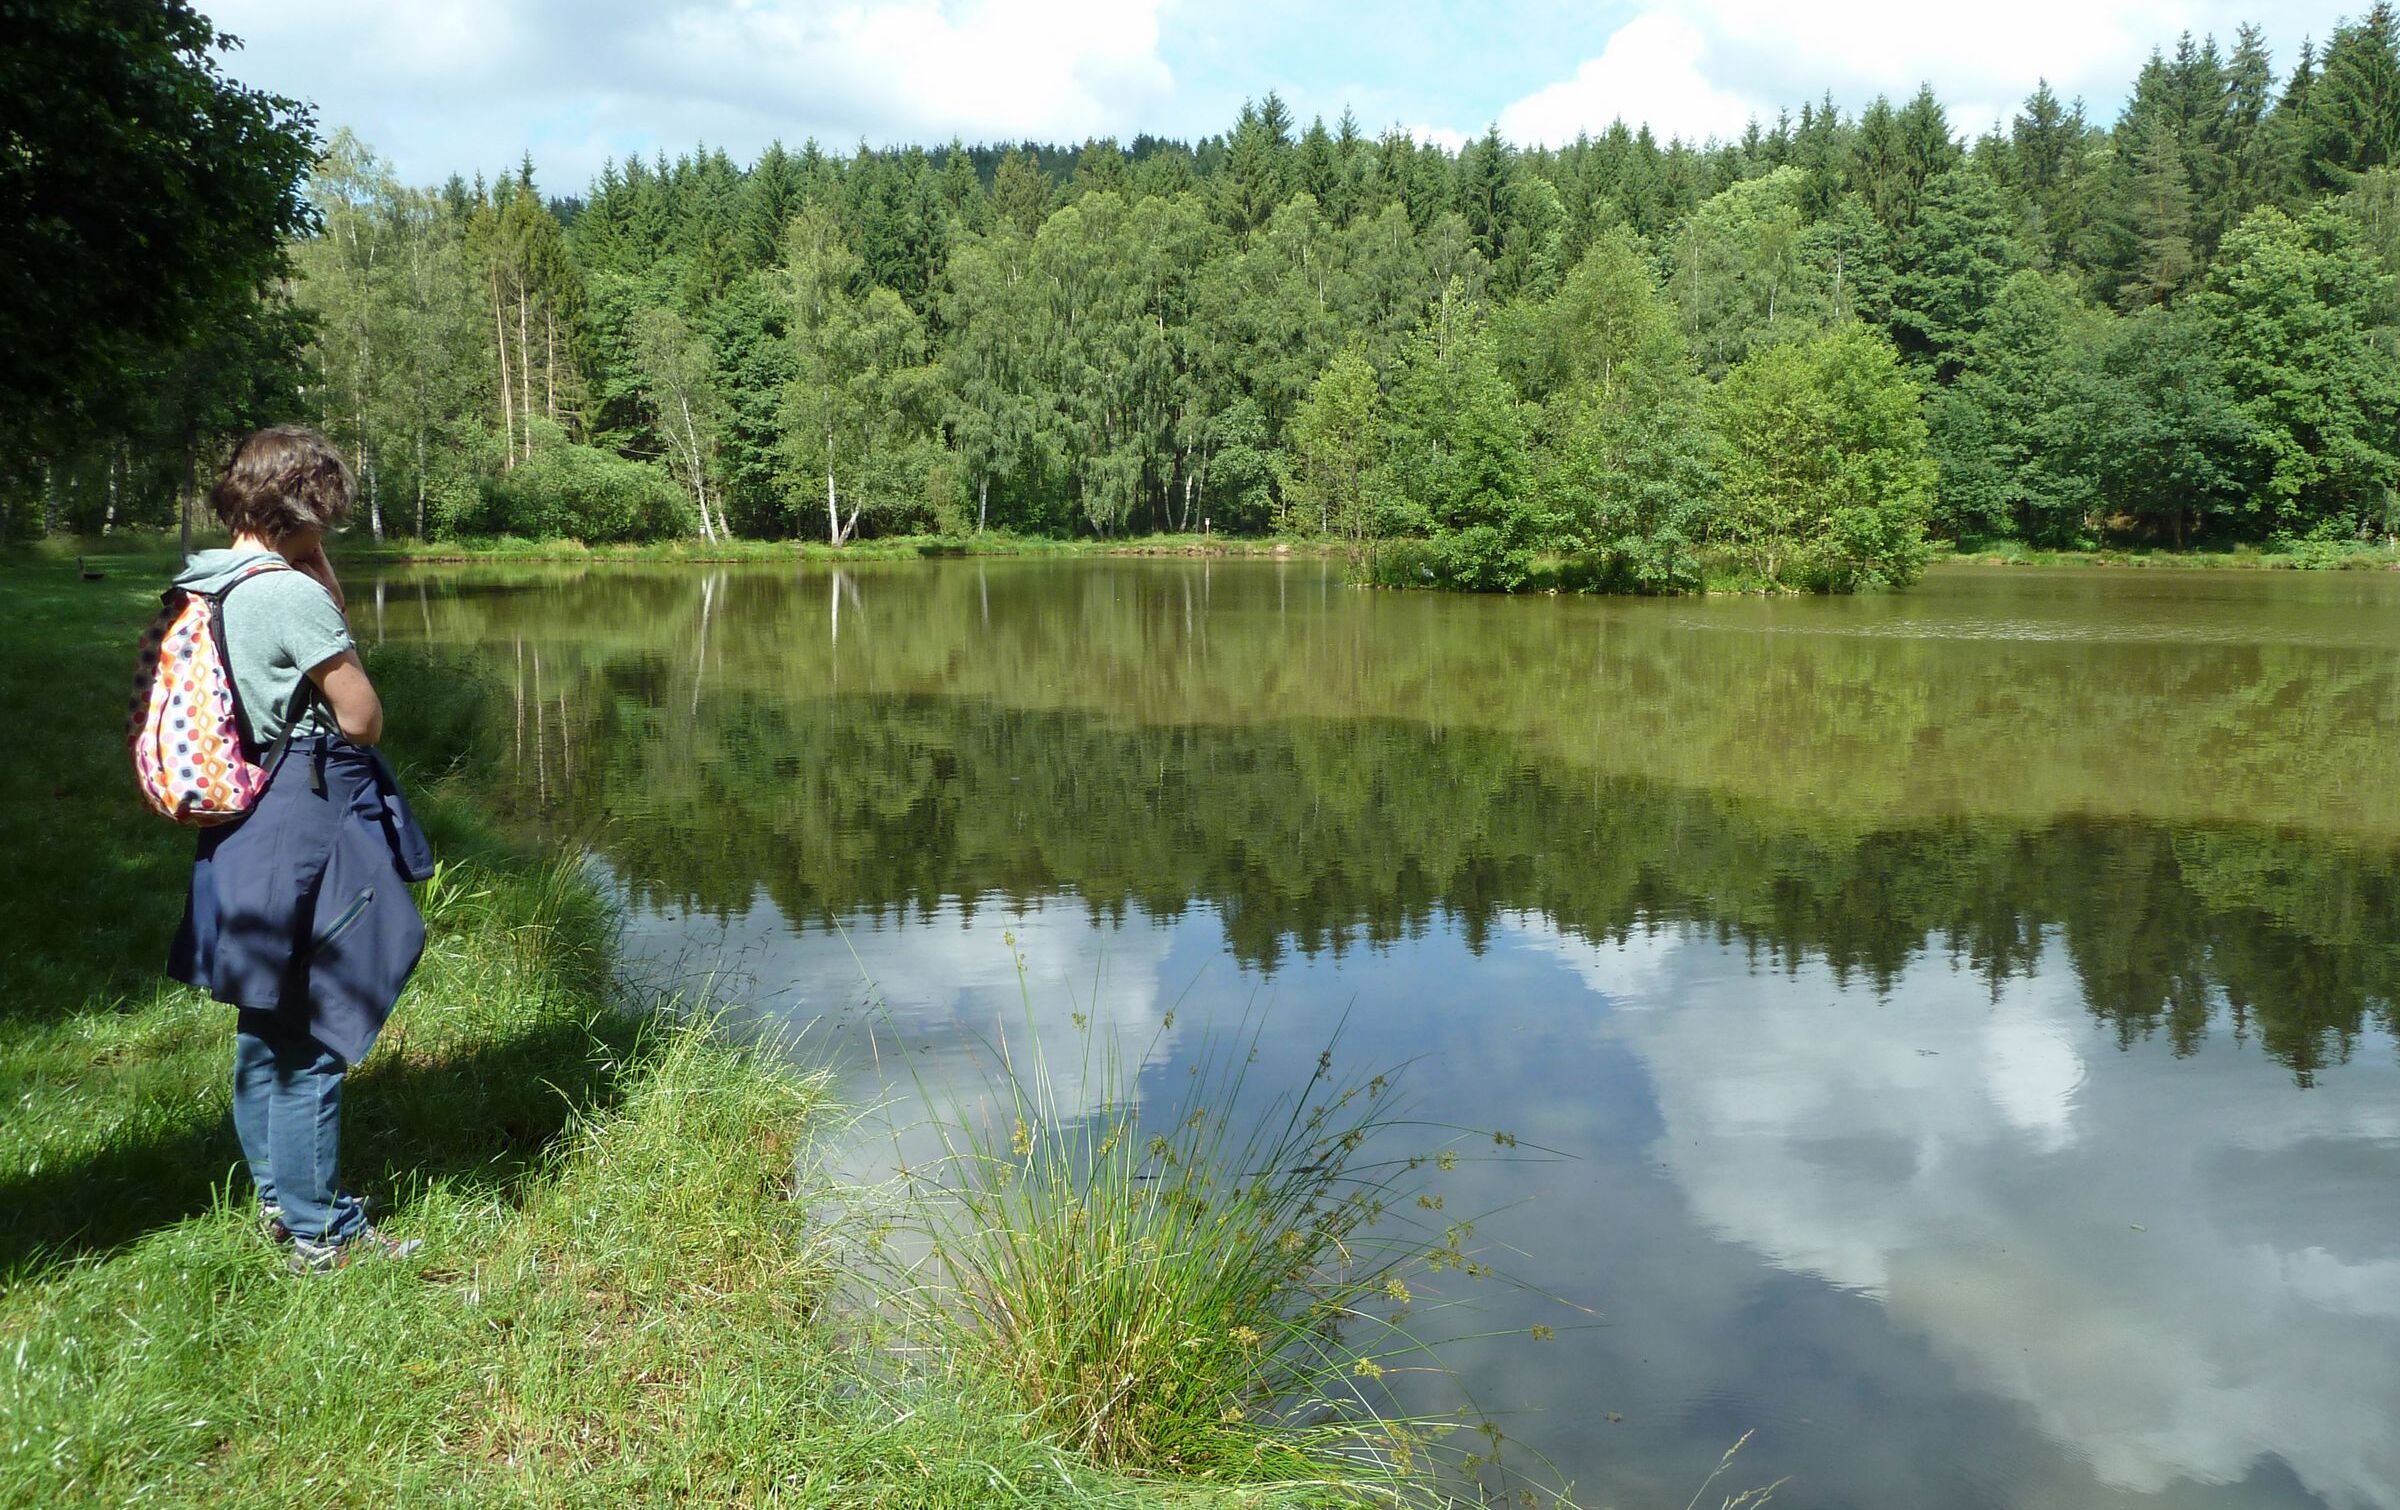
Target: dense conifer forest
column 1794, row 358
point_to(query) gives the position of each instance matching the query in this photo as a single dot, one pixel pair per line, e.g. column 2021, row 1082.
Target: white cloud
column 985, row 68
column 2173, row 1275
column 940, row 994
column 451, row 85
column 1650, row 74
column 1697, row 68
column 1448, row 138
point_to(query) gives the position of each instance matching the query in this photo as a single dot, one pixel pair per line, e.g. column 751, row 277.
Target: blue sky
column 444, row 85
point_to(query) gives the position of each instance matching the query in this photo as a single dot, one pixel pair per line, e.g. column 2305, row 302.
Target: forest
column 1795, row 359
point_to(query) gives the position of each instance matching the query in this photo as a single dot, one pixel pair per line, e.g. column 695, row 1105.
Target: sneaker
column 323, row 1258
column 270, row 1216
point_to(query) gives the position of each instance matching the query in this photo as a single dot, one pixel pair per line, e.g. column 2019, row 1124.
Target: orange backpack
column 184, row 729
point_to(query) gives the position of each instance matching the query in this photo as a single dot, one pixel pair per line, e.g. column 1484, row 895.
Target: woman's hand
column 312, row 562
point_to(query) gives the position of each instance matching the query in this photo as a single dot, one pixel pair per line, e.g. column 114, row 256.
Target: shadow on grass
column 481, row 1119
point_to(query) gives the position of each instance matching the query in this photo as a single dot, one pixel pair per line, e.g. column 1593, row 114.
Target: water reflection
column 1975, row 1053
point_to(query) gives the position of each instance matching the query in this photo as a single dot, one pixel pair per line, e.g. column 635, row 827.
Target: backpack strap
column 302, row 703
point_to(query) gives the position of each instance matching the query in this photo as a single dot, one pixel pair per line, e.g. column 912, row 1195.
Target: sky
column 442, row 86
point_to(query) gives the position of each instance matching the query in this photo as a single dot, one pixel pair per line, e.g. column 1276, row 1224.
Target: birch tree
column 677, row 375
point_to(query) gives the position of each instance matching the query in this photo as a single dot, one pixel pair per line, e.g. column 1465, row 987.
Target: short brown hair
column 281, row 481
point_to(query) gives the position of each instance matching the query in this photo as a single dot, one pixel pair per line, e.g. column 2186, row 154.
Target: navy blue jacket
column 300, row 913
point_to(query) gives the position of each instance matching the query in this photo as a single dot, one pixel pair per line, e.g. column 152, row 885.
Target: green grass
column 629, row 1292
column 356, row 547
column 2309, row 555
column 1203, row 1289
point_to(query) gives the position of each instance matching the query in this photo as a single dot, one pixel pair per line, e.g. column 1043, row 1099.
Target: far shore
column 354, row 549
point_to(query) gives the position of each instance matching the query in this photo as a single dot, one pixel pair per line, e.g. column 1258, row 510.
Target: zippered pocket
column 345, row 922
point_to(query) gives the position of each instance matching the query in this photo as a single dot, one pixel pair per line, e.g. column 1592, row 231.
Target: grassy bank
column 628, row 1291
column 1549, row 575
column 898, row 548
column 355, row 547
column 2305, row 556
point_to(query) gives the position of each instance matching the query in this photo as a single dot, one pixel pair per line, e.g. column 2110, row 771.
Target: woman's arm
column 351, row 696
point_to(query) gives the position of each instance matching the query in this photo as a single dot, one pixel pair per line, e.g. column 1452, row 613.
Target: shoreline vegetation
column 506, row 550
column 638, row 1282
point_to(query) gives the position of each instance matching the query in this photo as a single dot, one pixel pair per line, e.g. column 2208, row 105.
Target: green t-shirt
column 279, row 626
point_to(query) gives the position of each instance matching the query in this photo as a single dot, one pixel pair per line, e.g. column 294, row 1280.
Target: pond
column 1948, row 1035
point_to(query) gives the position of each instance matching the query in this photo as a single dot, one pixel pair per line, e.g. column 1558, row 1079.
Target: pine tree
column 770, row 198
column 2046, row 146
column 1020, row 194
column 2202, row 101
column 1316, row 170
column 1099, row 168
column 2159, row 223
column 2249, row 97
column 1952, row 261
column 1483, row 174
column 2279, row 173
column 1878, row 167
column 1821, row 149
column 1256, row 176
column 2354, row 109
column 961, row 190
column 1342, row 198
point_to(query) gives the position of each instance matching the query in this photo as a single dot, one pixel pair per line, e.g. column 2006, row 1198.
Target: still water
column 1963, row 1020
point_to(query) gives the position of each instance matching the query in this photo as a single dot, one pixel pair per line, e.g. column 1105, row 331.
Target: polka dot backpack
column 185, row 735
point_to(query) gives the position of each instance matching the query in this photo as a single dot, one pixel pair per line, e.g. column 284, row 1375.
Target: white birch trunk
column 508, row 413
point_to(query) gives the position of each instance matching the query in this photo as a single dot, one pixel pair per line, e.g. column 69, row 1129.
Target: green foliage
column 2289, row 306
column 144, row 198
column 1630, row 470
column 1828, row 477
column 1458, row 466
column 581, row 493
column 2012, row 431
column 1633, row 474
column 859, row 406
column 1953, row 261
column 1331, row 483
column 394, row 348
column 1740, row 279
column 2352, row 117
column 2152, row 428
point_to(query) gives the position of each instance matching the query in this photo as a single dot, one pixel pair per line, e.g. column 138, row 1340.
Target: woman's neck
column 290, row 548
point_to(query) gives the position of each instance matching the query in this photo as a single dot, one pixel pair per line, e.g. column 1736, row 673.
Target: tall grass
column 1211, row 1285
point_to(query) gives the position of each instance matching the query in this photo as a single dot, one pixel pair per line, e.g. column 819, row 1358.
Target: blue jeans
column 287, row 1110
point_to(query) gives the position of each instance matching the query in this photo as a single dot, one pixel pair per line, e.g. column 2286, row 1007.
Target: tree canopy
column 1790, row 357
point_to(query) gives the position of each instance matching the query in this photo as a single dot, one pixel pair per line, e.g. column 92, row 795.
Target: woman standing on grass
column 299, row 913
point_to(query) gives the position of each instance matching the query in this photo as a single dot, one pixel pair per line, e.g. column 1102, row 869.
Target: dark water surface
column 1966, row 1017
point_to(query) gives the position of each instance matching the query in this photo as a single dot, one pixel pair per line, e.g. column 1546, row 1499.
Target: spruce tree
column 1316, row 171
column 1952, row 261
column 2159, row 222
column 2354, row 110
column 1020, row 194
column 1483, row 174
column 770, row 198
column 1256, row 176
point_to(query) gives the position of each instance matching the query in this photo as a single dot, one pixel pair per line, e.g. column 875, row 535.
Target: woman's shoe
column 323, row 1258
